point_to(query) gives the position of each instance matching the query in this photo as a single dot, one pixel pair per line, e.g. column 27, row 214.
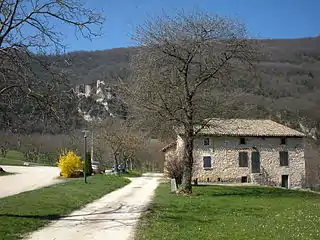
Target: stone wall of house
column 224, row 152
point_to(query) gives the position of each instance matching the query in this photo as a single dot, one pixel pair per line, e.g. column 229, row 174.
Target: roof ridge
column 247, row 127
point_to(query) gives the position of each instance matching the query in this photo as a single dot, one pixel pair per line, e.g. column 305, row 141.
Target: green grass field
column 16, row 158
column 225, row 212
column 26, row 212
column 132, row 173
column 12, row 158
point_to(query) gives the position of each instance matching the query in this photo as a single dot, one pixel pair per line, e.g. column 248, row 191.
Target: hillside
column 289, row 73
column 88, row 67
column 296, row 56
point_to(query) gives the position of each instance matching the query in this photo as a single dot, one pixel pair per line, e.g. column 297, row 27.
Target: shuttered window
column 284, row 158
column 243, row 159
column 207, row 162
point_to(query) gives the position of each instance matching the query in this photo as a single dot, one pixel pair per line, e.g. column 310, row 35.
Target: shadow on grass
column 252, row 191
column 188, row 219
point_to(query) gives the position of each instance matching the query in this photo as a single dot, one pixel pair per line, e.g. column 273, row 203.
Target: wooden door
column 285, row 181
column 255, row 162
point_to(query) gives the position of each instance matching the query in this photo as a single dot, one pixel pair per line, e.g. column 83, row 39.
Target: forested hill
column 292, row 56
column 289, row 69
column 87, row 67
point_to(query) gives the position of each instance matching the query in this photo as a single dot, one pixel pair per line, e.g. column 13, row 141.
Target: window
column 284, row 158
column 206, row 141
column 283, row 141
column 207, row 162
column 243, row 159
column 242, row 141
column 244, row 179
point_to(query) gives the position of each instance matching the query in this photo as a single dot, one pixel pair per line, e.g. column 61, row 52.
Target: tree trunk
column 116, row 163
column 131, row 165
column 186, row 185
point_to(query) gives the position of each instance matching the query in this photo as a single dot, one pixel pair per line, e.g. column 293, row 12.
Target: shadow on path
column 53, row 217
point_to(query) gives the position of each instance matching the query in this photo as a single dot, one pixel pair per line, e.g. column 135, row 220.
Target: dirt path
column 26, row 179
column 114, row 216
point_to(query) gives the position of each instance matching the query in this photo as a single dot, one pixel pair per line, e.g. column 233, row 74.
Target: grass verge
column 13, row 158
column 132, row 173
column 26, row 212
column 225, row 212
column 16, row 158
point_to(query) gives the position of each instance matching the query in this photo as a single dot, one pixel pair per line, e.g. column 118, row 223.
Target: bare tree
column 5, row 143
column 42, row 149
column 29, row 29
column 190, row 67
column 112, row 134
column 133, row 142
column 119, row 137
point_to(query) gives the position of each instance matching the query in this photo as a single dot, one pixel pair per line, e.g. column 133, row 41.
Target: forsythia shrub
column 69, row 164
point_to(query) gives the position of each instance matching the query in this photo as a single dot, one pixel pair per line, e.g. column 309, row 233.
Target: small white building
column 242, row 150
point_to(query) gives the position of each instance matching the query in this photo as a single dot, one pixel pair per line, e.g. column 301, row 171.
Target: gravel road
column 114, row 216
column 26, row 179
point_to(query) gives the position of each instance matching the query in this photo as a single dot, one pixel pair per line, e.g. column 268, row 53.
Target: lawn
column 12, row 158
column 225, row 212
column 26, row 212
column 132, row 173
column 16, row 158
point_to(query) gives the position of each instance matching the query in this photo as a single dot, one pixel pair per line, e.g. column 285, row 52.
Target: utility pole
column 85, row 155
column 91, row 147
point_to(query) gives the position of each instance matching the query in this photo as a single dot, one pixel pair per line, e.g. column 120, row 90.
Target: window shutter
column 284, row 158
column 207, row 162
column 243, row 159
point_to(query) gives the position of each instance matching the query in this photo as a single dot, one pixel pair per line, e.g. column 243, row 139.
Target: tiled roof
column 245, row 127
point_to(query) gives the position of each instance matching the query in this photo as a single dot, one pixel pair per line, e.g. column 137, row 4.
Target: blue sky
column 263, row 18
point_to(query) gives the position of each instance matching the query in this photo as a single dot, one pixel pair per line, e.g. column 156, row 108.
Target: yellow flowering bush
column 70, row 164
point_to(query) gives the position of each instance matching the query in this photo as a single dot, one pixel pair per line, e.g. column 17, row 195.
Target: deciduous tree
column 118, row 136
column 31, row 88
column 184, row 73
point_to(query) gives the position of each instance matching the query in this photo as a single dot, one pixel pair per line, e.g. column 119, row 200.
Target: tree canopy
column 33, row 90
column 186, row 71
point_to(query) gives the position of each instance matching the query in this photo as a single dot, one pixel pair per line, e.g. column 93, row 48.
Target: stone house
column 242, row 150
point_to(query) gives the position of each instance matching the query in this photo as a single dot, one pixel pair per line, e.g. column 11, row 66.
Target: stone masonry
column 224, row 153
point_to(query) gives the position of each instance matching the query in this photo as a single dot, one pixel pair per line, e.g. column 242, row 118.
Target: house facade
column 240, row 150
